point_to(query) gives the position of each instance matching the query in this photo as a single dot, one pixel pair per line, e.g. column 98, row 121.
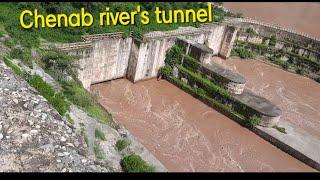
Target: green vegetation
column 84, row 134
column 98, row 151
column 10, row 43
column 283, row 64
column 300, row 64
column 253, row 121
column 251, row 31
column 59, row 64
column 99, row 134
column 174, row 56
column 22, row 54
column 273, row 40
column 280, row 129
column 134, row 163
column 2, row 31
column 55, row 99
column 9, row 17
column 70, row 120
column 209, row 91
column 75, row 93
column 122, row 144
column 14, row 67
column 243, row 53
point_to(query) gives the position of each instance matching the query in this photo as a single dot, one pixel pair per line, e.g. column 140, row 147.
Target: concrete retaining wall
column 109, row 56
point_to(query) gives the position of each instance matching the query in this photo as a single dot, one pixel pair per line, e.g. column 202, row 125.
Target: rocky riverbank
column 33, row 136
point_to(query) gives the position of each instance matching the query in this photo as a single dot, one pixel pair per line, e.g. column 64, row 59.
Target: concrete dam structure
column 106, row 57
column 110, row 56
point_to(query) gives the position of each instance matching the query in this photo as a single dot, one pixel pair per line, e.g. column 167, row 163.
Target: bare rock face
column 33, row 136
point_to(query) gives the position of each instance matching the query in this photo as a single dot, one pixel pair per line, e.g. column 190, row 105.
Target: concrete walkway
column 296, row 142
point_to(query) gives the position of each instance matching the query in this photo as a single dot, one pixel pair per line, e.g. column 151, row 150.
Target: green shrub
column 134, row 163
column 55, row 99
column 98, row 151
column 253, row 121
column 191, row 63
column 251, row 31
column 273, row 40
column 99, row 134
column 84, row 134
column 59, row 64
column 244, row 53
column 122, row 144
column 302, row 71
column 283, row 64
column 166, row 71
column 174, row 56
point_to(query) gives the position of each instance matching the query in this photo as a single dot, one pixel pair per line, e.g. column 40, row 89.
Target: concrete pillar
column 228, row 40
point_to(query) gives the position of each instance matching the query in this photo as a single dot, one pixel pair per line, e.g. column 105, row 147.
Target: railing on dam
column 270, row 25
column 174, row 33
column 102, row 36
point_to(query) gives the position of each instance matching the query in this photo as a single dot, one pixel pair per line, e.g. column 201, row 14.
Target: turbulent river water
column 187, row 135
column 297, row 96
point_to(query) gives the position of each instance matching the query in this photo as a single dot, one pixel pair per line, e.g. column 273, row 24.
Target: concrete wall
column 287, row 39
column 106, row 59
column 109, row 56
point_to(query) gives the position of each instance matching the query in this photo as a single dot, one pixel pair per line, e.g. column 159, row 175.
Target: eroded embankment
column 187, row 135
column 297, row 96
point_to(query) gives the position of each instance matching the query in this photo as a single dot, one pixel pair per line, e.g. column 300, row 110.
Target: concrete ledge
column 260, row 104
column 297, row 142
column 225, row 73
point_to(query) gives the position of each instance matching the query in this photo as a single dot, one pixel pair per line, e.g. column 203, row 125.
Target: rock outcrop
column 33, row 136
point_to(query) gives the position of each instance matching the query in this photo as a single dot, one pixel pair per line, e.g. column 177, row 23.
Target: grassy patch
column 122, row 144
column 75, row 93
column 98, row 151
column 23, row 54
column 14, row 67
column 134, row 163
column 10, row 43
column 99, row 134
column 55, row 99
column 280, row 129
column 70, row 120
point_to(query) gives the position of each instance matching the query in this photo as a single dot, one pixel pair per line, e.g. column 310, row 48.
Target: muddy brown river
column 297, row 96
column 187, row 135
